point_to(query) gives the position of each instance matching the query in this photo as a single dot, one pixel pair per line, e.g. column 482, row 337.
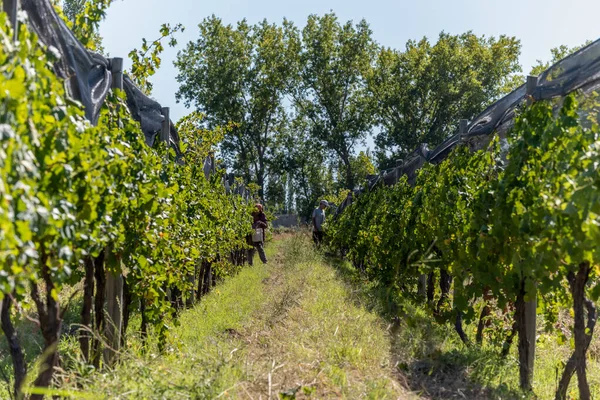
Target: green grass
column 197, row 362
column 324, row 343
column 147, row 374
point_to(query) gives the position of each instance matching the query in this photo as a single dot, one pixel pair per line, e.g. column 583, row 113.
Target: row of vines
column 82, row 203
column 499, row 228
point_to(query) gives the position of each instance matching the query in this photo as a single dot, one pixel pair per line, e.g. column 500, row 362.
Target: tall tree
column 332, row 91
column 241, row 74
column 422, row 93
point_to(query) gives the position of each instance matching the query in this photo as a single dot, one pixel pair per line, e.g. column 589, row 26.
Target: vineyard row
column 509, row 227
column 95, row 204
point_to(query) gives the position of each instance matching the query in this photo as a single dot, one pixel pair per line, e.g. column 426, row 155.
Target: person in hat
column 318, row 219
column 259, row 223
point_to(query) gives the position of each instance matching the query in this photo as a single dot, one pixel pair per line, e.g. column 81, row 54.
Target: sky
column 540, row 24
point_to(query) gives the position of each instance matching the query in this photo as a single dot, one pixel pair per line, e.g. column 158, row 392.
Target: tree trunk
column 526, row 328
column 114, row 305
column 485, row 312
column 99, row 306
column 260, row 170
column 459, row 328
column 360, row 265
column 422, row 288
column 445, row 284
column 176, row 300
column 86, row 309
column 50, row 325
column 16, row 353
column 207, row 280
column 509, row 340
column 482, row 322
column 583, row 334
column 191, row 297
column 349, row 174
column 430, row 287
column 201, row 278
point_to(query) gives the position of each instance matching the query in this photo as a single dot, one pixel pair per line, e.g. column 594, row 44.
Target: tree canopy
column 303, row 100
column 240, row 74
column 422, row 92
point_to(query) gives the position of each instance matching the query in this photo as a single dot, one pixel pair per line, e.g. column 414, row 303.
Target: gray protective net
column 579, row 71
column 88, row 76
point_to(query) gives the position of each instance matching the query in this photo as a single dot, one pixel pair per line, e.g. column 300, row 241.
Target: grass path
column 310, row 339
column 289, row 329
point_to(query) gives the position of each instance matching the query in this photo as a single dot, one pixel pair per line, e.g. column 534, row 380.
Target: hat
column 325, row 203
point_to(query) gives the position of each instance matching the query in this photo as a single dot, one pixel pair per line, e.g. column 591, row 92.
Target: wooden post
column 422, row 289
column 10, row 7
column 526, row 326
column 114, row 280
column 165, row 133
column 532, row 82
column 399, row 163
column 116, row 67
column 530, row 326
column 114, row 305
column 530, row 306
column 463, row 127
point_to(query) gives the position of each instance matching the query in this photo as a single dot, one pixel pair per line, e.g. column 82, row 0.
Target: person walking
column 318, row 219
column 257, row 239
